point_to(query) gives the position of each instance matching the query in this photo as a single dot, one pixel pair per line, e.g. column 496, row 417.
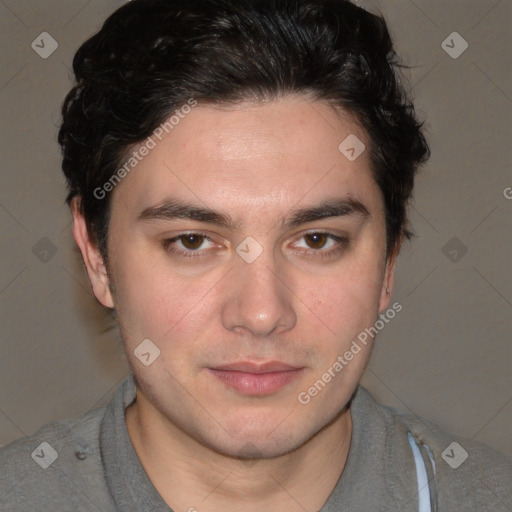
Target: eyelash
column 343, row 244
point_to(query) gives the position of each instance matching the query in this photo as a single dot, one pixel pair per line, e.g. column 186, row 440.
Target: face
column 251, row 252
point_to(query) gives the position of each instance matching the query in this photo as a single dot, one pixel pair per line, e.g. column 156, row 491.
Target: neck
column 190, row 476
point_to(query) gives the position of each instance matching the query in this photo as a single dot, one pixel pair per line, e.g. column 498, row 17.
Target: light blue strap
column 421, row 475
column 431, row 457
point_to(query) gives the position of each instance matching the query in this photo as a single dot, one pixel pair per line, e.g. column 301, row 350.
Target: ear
column 388, row 282
column 91, row 256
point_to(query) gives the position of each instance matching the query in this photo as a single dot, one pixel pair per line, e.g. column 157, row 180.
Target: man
column 238, row 178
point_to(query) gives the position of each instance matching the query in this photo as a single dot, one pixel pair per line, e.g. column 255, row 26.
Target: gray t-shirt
column 88, row 463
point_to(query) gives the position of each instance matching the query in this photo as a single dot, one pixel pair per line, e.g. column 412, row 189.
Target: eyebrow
column 171, row 209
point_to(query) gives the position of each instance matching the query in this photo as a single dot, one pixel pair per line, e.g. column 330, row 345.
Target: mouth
column 253, row 379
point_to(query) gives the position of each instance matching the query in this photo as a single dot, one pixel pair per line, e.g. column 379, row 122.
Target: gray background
column 446, row 356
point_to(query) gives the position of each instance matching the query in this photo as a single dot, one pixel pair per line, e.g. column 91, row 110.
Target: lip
column 253, row 379
column 258, row 368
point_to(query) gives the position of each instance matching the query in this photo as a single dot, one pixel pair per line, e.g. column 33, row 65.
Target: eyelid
column 341, row 242
column 167, row 242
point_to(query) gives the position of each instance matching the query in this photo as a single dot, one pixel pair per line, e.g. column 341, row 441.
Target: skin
column 255, row 162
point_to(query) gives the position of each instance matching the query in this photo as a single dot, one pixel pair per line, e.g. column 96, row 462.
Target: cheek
column 336, row 319
column 153, row 302
column 348, row 299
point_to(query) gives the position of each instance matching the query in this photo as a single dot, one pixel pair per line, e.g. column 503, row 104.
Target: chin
column 256, row 438
column 256, row 448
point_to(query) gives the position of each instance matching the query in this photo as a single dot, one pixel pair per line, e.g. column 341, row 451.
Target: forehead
column 263, row 156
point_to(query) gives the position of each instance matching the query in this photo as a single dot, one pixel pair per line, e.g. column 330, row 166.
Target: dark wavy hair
column 151, row 56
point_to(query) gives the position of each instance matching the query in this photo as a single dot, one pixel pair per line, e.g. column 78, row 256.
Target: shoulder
column 469, row 475
column 59, row 467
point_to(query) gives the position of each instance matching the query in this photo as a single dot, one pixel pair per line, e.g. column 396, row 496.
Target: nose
column 258, row 298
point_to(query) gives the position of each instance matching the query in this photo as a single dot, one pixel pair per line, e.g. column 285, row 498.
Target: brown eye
column 192, row 241
column 189, row 245
column 316, row 240
column 322, row 244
